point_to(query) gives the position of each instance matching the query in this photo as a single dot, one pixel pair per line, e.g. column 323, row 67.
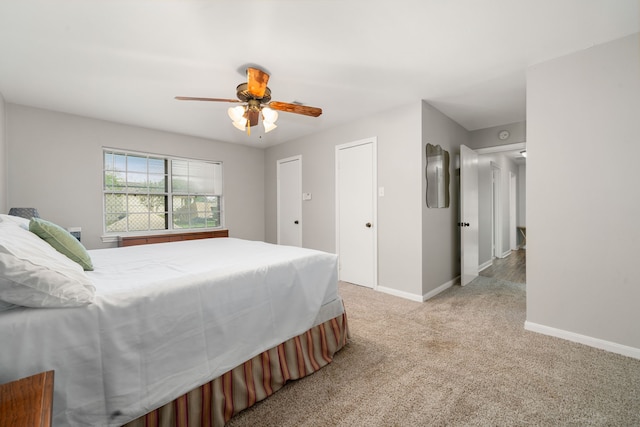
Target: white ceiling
column 124, row 61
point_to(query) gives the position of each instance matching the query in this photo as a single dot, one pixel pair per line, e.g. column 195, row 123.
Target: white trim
column 440, row 289
column 401, row 294
column 278, row 163
column 513, row 211
column 583, row 339
column 156, row 154
column 418, row 298
column 501, row 148
column 109, row 238
column 496, row 211
column 485, row 265
column 505, row 254
column 374, row 144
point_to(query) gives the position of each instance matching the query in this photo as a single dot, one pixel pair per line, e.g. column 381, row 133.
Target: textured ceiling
column 124, row 61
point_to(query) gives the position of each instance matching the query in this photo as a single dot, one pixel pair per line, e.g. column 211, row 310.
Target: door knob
column 295, row 222
column 368, row 225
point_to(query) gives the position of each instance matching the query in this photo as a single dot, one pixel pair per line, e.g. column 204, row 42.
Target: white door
column 356, row 228
column 513, row 241
column 468, row 215
column 289, row 189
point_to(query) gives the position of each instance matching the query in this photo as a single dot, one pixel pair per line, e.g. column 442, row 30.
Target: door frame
column 513, row 191
column 278, row 209
column 496, row 210
column 374, row 146
column 502, row 148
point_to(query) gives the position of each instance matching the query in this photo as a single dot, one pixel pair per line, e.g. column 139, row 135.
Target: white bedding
column 167, row 317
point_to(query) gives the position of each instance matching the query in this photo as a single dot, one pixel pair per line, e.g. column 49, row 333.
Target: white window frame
column 113, row 236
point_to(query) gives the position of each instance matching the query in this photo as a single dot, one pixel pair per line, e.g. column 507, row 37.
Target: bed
column 181, row 333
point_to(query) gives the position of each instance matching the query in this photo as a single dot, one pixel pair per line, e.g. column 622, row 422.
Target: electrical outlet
column 75, row 232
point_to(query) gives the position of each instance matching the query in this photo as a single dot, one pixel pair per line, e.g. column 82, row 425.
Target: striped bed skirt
column 214, row 403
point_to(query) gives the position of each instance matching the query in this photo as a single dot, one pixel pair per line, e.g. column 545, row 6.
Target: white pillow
column 34, row 274
column 11, row 219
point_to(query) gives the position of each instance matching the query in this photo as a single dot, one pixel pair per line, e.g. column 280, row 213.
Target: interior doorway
column 513, row 211
column 512, row 268
column 509, row 211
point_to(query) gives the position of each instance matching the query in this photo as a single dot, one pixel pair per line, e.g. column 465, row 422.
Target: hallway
column 512, row 268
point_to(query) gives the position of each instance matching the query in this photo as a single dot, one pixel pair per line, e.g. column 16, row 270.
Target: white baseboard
column 418, row 298
column 485, row 265
column 506, row 254
column 583, row 339
column 439, row 289
column 401, row 294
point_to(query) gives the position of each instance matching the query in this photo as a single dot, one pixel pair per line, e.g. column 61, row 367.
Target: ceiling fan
column 256, row 98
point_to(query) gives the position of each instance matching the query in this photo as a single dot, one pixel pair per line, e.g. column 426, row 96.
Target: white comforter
column 167, row 318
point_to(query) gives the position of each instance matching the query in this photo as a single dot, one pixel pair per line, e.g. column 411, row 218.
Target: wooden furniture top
column 27, row 402
column 171, row 237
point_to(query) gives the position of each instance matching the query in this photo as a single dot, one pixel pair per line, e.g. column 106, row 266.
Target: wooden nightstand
column 27, row 402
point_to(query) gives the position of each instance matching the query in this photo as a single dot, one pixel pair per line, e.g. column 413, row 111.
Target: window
column 145, row 192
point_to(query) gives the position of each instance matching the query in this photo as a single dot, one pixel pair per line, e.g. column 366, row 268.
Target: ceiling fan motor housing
column 243, row 94
column 253, row 111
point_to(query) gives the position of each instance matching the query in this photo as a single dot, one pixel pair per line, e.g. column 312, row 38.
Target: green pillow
column 62, row 241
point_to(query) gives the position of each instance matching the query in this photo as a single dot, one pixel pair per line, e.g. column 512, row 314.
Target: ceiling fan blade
column 189, row 98
column 257, row 82
column 295, row 108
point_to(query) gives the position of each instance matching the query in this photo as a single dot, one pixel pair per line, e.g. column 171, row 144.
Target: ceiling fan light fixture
column 269, row 115
column 236, row 113
column 240, row 124
column 268, row 126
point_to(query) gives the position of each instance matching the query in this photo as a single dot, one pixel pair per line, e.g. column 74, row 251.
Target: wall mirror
column 437, row 172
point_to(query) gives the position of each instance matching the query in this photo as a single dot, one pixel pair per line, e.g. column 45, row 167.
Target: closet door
column 289, row 189
column 356, row 212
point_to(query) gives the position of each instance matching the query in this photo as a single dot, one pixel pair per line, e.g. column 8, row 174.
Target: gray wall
column 56, row 166
column 399, row 171
column 417, row 247
column 3, row 157
column 583, row 201
column 440, row 233
column 522, row 197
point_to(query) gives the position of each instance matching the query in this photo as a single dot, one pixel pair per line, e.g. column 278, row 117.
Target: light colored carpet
column 461, row 358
